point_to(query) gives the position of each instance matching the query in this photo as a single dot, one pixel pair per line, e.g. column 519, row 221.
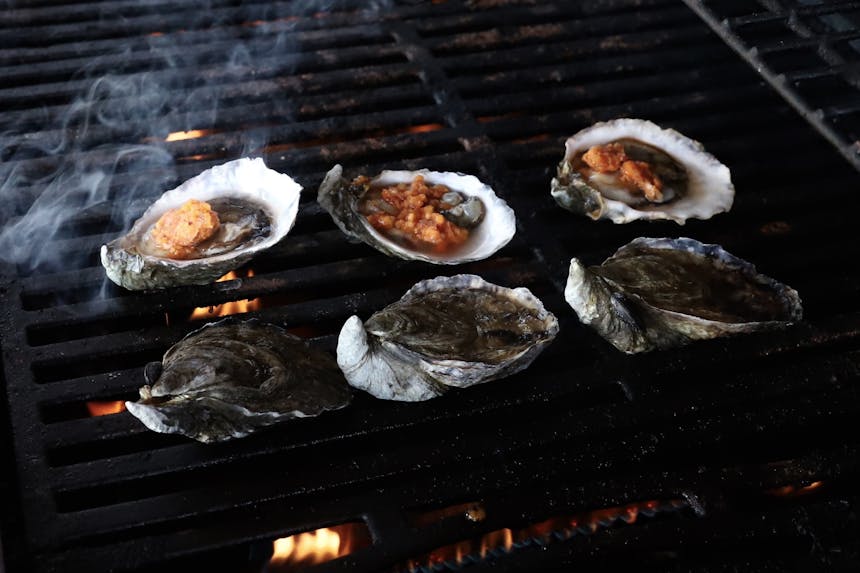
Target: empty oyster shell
column 695, row 185
column 230, row 378
column 448, row 331
column 490, row 221
column 257, row 208
column 661, row 293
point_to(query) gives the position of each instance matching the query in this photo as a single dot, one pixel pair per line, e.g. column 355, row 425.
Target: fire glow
column 105, row 408
column 227, row 308
column 183, row 135
column 313, row 547
column 794, row 491
column 504, row 540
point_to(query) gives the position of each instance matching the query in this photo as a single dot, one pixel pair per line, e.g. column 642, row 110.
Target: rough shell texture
column 444, row 332
column 248, row 179
column 498, row 226
column 709, row 186
column 661, row 293
column 230, row 378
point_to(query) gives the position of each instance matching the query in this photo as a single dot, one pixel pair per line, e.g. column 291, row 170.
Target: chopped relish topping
column 639, row 173
column 611, row 158
column 605, row 158
column 180, row 230
column 410, row 212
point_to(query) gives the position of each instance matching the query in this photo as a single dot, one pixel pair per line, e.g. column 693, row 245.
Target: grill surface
column 808, row 51
column 487, row 87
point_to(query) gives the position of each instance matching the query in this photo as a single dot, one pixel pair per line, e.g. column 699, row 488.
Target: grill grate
column 809, row 51
column 485, row 87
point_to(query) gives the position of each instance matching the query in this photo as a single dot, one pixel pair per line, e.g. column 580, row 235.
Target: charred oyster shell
column 231, row 378
column 696, row 184
column 444, row 332
column 661, row 293
column 491, row 221
column 257, row 207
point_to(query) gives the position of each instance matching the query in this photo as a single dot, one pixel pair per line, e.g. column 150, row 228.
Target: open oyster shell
column 697, row 185
column 497, row 225
column 448, row 331
column 257, row 207
column 230, row 378
column 662, row 293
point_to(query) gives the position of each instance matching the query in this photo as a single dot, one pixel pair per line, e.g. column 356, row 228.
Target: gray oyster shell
column 662, row 293
column 495, row 228
column 128, row 264
column 708, row 187
column 231, row 377
column 444, row 332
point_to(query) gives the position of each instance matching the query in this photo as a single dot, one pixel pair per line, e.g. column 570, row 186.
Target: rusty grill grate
column 485, row 87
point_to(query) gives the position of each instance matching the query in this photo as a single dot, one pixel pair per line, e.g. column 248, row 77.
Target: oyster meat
column 661, row 293
column 444, row 332
column 244, row 207
column 629, row 169
column 463, row 219
column 232, row 377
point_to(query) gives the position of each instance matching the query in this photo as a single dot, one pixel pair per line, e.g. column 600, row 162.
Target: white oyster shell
column 340, row 199
column 247, row 179
column 662, row 293
column 444, row 332
column 709, row 186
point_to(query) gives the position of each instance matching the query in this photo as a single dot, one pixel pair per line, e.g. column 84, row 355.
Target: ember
column 105, row 408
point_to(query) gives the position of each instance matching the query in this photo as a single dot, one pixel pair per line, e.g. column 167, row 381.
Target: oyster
column 629, row 169
column 661, row 293
column 255, row 205
column 231, row 377
column 468, row 204
column 444, row 332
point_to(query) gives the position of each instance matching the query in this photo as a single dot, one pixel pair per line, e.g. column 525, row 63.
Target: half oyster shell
column 444, row 332
column 492, row 221
column 257, row 208
column 662, row 293
column 695, row 185
column 231, row 377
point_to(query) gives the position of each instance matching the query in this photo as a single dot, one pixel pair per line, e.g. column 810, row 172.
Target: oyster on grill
column 231, row 377
column 253, row 208
column 445, row 332
column 471, row 222
column 661, row 293
column 629, row 169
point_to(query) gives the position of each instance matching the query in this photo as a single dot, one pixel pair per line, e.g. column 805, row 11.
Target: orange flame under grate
column 105, row 408
column 313, row 547
column 794, row 490
column 505, row 540
column 227, row 308
column 190, row 134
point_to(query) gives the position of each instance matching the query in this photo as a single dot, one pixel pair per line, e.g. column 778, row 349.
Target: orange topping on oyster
column 180, row 230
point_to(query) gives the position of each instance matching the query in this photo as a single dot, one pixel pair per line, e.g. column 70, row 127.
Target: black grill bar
column 806, row 53
column 490, row 87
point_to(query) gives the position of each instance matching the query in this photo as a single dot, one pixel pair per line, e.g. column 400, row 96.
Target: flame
column 105, row 408
column 183, row 135
column 504, row 539
column 227, row 308
column 793, row 491
column 318, row 546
